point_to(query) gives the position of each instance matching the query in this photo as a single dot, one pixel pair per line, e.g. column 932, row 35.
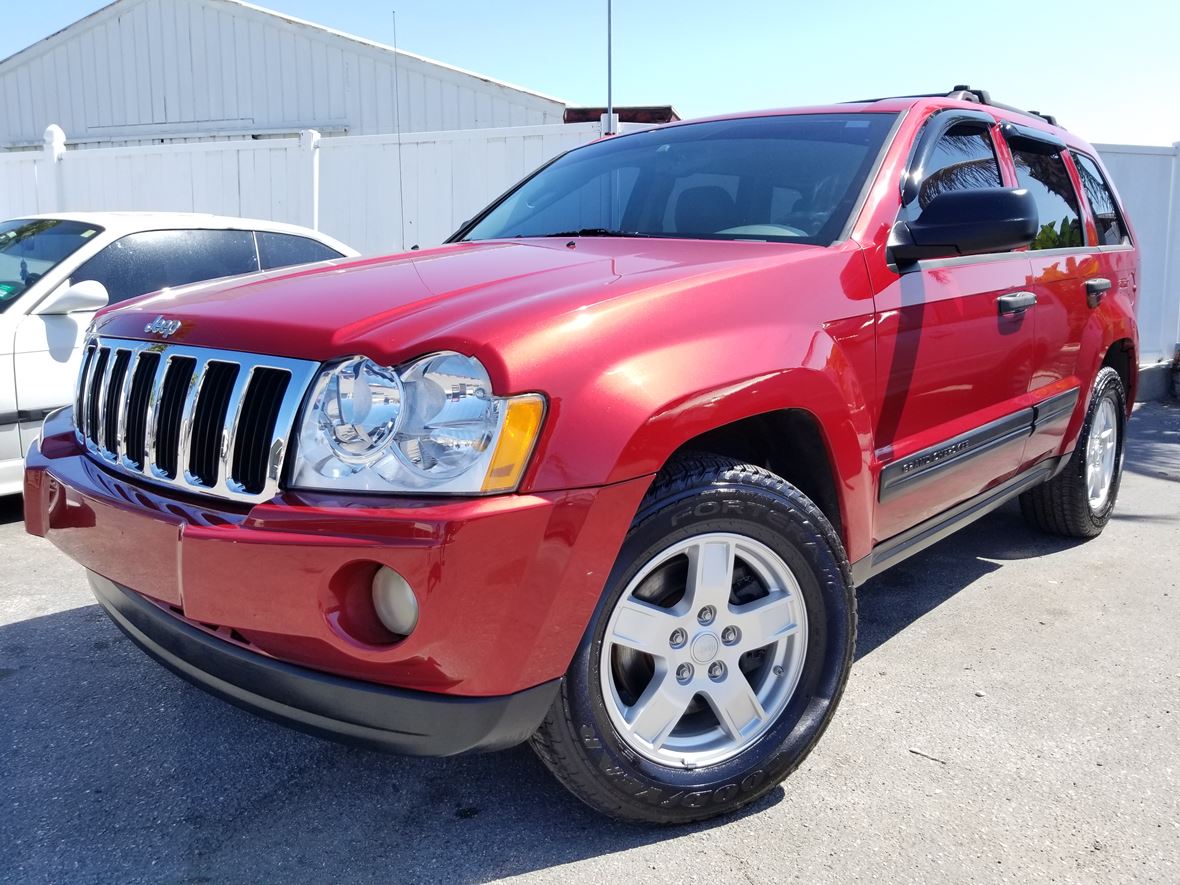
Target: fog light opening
column 395, row 602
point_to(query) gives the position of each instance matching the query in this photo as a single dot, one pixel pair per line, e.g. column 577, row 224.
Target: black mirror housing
column 967, row 222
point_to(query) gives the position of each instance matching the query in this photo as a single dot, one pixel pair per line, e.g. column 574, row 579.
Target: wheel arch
column 816, row 434
column 1121, row 357
column 788, row 442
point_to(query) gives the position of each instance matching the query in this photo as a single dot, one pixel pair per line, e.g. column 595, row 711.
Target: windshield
column 791, row 178
column 31, row 248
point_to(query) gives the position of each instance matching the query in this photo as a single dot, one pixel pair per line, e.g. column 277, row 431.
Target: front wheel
column 717, row 655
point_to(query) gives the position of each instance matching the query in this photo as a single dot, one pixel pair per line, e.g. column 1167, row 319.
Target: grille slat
column 84, row 382
column 208, row 421
column 137, row 405
column 260, row 411
column 112, row 397
column 176, row 385
column 202, row 420
column 98, row 371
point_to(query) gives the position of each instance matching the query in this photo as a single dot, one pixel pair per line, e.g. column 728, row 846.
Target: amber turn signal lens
column 522, row 424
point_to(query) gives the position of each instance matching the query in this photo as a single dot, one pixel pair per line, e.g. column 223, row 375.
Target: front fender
column 629, row 420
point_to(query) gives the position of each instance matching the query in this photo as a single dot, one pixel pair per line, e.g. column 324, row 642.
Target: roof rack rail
column 966, row 93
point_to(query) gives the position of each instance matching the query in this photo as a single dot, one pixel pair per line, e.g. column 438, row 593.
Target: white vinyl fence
column 1148, row 181
column 384, row 193
column 378, row 193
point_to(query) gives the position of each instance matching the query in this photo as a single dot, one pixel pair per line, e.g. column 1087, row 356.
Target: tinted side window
column 144, row 262
column 1046, row 178
column 1111, row 230
column 963, row 159
column 283, row 250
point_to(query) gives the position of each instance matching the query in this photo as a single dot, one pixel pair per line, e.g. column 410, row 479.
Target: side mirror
column 88, row 295
column 967, row 223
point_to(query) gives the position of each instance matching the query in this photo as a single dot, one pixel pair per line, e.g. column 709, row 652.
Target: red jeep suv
column 603, row 472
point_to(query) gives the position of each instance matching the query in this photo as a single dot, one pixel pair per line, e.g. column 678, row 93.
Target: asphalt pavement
column 1013, row 716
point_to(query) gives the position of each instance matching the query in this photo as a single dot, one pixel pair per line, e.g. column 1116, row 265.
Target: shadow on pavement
column 11, row 509
column 1153, row 442
column 113, row 769
column 897, row 598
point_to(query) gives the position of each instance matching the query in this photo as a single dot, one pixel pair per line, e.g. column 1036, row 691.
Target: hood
column 466, row 296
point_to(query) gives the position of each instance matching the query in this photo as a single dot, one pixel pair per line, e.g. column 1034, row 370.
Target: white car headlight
column 430, row 426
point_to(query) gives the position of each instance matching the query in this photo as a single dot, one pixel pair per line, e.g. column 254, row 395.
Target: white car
column 57, row 270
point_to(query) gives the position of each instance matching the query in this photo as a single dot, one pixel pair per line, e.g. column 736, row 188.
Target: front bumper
column 411, row 722
column 506, row 585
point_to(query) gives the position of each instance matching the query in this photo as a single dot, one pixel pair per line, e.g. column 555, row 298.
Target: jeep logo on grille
column 162, row 327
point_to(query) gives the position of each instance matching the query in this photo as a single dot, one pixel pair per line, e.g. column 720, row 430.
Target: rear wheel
column 1078, row 502
column 717, row 655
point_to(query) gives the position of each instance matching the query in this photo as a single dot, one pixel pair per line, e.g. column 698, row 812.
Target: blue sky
column 1107, row 68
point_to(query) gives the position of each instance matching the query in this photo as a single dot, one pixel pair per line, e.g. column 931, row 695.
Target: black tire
column 1061, row 506
column 694, row 495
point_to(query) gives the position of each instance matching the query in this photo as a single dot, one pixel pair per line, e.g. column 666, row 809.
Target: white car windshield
column 29, row 248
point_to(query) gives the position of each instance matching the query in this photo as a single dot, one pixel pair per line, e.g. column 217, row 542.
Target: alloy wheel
column 1101, row 454
column 703, row 650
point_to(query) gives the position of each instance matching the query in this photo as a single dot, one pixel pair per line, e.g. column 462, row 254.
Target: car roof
column 898, row 104
column 120, row 223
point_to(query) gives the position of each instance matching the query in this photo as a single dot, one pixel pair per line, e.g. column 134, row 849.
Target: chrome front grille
column 201, row 420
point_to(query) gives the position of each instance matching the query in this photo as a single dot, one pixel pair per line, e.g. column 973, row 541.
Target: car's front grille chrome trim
column 156, row 441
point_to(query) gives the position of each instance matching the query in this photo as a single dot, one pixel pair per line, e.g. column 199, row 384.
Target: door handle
column 1096, row 289
column 1016, row 302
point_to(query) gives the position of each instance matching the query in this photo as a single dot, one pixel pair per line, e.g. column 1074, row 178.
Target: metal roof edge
column 373, row 44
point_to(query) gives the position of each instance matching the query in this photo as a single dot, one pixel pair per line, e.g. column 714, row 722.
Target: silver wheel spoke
column 710, row 575
column 659, row 708
column 736, row 705
column 642, row 626
column 765, row 621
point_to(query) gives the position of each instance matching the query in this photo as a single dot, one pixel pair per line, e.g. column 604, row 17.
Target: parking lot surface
column 1013, row 715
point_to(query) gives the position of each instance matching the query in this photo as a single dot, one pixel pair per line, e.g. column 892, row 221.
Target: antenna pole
column 610, row 103
column 397, row 126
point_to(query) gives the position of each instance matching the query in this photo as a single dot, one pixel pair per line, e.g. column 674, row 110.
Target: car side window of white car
column 150, row 260
column 283, row 250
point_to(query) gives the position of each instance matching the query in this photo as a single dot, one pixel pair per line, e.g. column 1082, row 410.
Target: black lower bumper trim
column 396, row 720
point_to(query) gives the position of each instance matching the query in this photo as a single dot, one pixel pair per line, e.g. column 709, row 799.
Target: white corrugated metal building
column 142, row 71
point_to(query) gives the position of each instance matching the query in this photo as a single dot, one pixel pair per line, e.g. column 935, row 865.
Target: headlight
column 430, row 426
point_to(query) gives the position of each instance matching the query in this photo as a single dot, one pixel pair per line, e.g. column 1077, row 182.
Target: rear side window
column 1111, row 230
column 159, row 259
column 963, row 159
column 1048, row 181
column 284, row 250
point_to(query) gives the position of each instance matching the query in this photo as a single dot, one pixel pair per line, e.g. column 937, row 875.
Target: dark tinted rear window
column 1111, row 230
column 283, row 250
column 144, row 262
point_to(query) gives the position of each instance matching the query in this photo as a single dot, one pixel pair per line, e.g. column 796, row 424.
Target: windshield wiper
column 595, row 232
